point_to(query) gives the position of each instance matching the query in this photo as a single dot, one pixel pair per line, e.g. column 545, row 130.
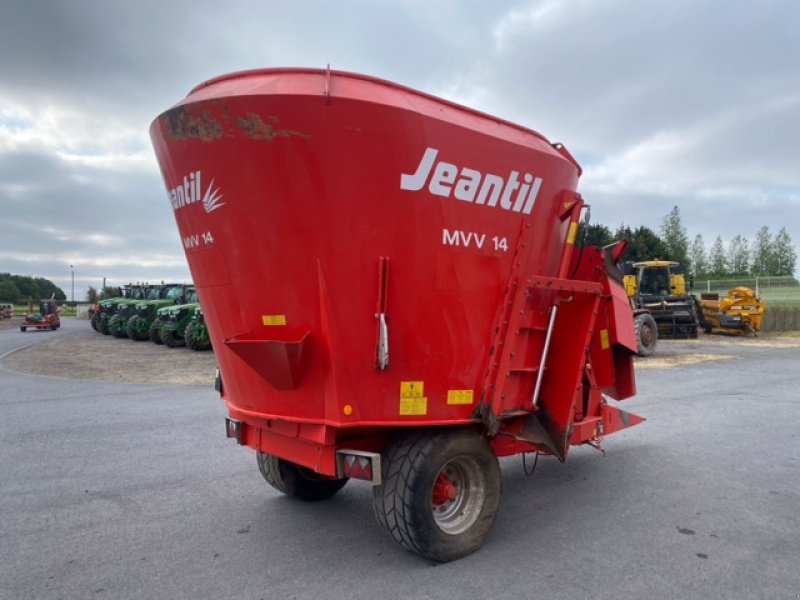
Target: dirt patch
column 184, row 126
column 681, row 360
column 256, row 129
column 782, row 341
column 90, row 355
column 679, row 353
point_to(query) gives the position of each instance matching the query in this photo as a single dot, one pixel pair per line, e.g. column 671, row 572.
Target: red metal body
column 369, row 257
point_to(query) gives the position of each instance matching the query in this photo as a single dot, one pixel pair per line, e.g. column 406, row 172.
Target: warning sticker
column 411, row 389
column 271, row 320
column 459, row 396
column 412, row 402
column 414, row 406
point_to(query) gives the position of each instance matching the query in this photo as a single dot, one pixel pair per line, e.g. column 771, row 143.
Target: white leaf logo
column 211, row 200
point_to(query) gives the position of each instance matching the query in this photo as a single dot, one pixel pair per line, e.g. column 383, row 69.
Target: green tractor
column 162, row 314
column 143, row 324
column 174, row 322
column 126, row 309
column 106, row 309
column 196, row 333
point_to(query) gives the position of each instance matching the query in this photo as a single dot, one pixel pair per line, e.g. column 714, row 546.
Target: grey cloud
column 606, row 78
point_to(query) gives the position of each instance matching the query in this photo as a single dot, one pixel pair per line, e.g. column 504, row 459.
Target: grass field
column 20, row 310
column 783, row 292
column 784, row 297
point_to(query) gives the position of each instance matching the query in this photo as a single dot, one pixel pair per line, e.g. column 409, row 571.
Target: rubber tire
column 155, row 332
column 102, row 326
column 23, row 329
column 707, row 327
column 646, row 341
column 93, row 322
column 192, row 342
column 116, row 327
column 170, row 337
column 296, row 481
column 403, row 502
column 53, row 327
column 132, row 329
column 188, row 335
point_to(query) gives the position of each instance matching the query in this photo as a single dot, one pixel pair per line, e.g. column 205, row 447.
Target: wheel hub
column 443, row 490
column 458, row 495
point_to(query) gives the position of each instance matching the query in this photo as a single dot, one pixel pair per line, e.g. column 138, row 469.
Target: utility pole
column 72, row 269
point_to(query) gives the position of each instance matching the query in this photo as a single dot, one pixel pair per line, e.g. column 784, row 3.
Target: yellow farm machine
column 662, row 306
column 738, row 313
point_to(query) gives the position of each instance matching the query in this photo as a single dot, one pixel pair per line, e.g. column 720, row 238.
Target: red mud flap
column 277, row 361
column 614, row 419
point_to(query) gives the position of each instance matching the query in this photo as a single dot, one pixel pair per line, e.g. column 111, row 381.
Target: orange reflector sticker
column 573, row 232
column 272, row 320
column 604, row 339
column 460, row 396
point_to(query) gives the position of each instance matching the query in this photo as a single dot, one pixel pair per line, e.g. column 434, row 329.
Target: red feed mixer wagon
column 394, row 292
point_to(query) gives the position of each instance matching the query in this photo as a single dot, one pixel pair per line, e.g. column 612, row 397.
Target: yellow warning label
column 604, row 339
column 271, row 320
column 411, row 389
column 414, row 406
column 573, row 231
column 412, row 402
column 459, row 396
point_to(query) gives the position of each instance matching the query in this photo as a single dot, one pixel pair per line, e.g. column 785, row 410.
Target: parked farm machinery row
column 168, row 314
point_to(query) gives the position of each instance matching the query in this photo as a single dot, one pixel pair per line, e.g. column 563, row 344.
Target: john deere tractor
column 143, row 322
column 162, row 315
column 175, row 319
column 126, row 309
column 106, row 309
column 196, row 333
column 662, row 306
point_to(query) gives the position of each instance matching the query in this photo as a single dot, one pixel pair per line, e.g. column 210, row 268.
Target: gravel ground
column 680, row 353
column 91, row 355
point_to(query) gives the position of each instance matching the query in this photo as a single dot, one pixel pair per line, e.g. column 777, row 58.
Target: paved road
column 132, row 491
column 14, row 339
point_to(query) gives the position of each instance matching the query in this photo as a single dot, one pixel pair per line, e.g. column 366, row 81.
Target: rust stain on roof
column 183, row 126
column 254, row 127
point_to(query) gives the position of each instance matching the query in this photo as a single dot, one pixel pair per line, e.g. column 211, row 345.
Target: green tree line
column 765, row 255
column 21, row 288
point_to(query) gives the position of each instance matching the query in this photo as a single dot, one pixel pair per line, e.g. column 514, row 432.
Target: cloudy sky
column 682, row 102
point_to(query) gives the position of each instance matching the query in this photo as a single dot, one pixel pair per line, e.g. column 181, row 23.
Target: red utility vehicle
column 46, row 318
column 393, row 291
